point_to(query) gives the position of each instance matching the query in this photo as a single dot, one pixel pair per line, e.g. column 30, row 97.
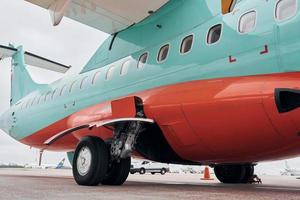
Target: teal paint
column 70, row 157
column 21, row 82
column 178, row 20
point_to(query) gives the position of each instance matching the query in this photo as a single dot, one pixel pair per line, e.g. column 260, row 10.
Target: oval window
column 96, row 77
column 109, row 73
column 214, row 34
column 84, row 82
column 72, row 86
column 125, row 67
column 285, row 9
column 63, row 90
column 163, row 53
column 142, row 61
column 247, row 22
column 186, row 44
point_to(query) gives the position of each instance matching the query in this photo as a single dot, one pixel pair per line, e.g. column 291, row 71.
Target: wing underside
column 109, row 16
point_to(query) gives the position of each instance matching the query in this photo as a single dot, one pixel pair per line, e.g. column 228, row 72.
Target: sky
column 70, row 43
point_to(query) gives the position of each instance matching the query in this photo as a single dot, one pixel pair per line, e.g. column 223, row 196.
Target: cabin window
column 28, row 103
column 247, row 22
column 84, row 82
column 72, row 86
column 125, row 67
column 35, row 98
column 40, row 99
column 63, row 90
column 186, row 44
column 285, row 9
column 54, row 93
column 48, row 96
column 109, row 73
column 96, row 77
column 214, row 34
column 163, row 53
column 23, row 105
column 142, row 61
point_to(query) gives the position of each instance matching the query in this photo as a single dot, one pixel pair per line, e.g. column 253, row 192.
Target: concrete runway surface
column 58, row 184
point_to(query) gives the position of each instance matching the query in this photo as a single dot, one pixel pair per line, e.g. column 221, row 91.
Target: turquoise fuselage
column 169, row 25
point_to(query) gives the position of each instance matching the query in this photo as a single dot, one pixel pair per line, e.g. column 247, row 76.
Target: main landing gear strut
column 235, row 173
column 108, row 162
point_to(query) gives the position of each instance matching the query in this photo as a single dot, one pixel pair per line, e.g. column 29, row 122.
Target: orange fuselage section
column 212, row 121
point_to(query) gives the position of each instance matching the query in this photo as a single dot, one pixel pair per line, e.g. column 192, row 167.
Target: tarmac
column 58, row 184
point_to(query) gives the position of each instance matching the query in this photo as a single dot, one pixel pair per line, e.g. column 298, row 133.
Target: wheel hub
column 84, row 161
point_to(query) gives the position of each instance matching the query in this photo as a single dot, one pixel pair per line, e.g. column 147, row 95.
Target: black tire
column 230, row 174
column 118, row 172
column 142, row 171
column 163, row 171
column 99, row 161
column 248, row 174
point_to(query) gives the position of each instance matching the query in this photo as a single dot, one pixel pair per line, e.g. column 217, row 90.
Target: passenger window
column 247, row 22
column 28, row 103
column 83, row 82
column 285, row 9
column 72, row 86
column 40, row 99
column 34, row 99
column 142, row 61
column 23, row 105
column 63, row 90
column 214, row 34
column 186, row 44
column 47, row 96
column 54, row 93
column 125, row 67
column 109, row 73
column 96, row 77
column 163, row 53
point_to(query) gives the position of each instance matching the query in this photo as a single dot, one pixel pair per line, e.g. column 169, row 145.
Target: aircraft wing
column 109, row 16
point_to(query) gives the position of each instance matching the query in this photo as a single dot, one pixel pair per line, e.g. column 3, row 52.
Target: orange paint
column 213, row 121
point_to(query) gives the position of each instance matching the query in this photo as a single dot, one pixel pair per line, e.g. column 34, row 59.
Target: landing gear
column 90, row 161
column 117, row 172
column 92, row 166
column 234, row 173
column 108, row 163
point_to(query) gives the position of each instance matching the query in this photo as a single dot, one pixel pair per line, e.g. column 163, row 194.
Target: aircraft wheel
column 90, row 161
column 248, row 174
column 230, row 173
column 142, row 171
column 117, row 172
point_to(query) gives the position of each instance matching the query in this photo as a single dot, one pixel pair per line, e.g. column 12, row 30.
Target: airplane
column 60, row 165
column 290, row 171
column 197, row 82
